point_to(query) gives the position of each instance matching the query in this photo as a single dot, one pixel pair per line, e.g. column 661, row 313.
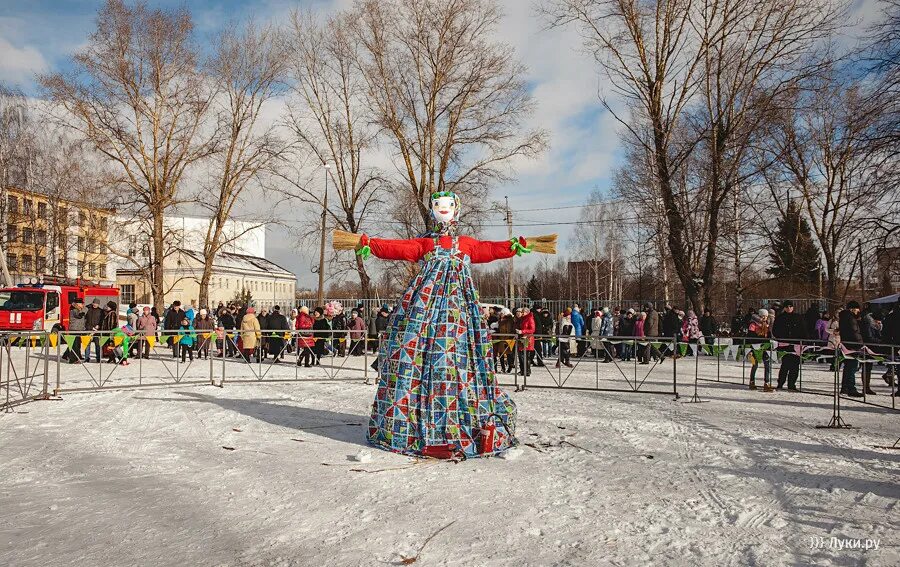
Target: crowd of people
column 526, row 337
column 852, row 338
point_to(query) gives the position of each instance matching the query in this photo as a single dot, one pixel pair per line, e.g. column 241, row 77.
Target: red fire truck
column 45, row 305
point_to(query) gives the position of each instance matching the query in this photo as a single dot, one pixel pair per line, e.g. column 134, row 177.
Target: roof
column 234, row 261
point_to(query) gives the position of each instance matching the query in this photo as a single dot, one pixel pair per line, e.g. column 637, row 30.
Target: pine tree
column 795, row 256
column 534, row 289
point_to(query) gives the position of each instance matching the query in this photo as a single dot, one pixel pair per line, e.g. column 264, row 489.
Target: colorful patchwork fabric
column 436, row 385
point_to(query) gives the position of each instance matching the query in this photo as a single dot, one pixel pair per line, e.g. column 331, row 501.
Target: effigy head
column 444, row 209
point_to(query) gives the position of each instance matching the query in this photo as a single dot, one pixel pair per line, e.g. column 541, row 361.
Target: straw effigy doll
column 437, row 395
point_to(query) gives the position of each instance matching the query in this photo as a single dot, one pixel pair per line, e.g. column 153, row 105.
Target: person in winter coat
column 890, row 335
column 131, row 316
column 321, row 328
column 626, row 329
column 579, row 328
column 566, row 329
column 381, row 323
column 810, row 321
column 228, row 324
column 870, row 329
column 205, row 326
column 250, row 335
column 652, row 330
column 305, row 339
column 690, row 329
column 505, row 342
column 642, row 350
column 821, row 334
column 670, row 324
column 544, row 321
column 357, row 333
column 525, row 329
column 263, row 318
column 851, row 338
column 292, row 324
column 789, row 327
column 145, row 326
column 171, row 323
column 607, row 327
column 77, row 314
column 758, row 335
column 186, row 338
column 709, row 327
column 92, row 319
column 339, row 325
column 278, row 325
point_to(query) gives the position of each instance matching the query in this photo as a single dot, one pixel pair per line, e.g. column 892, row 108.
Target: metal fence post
column 58, row 362
column 800, row 368
column 46, row 384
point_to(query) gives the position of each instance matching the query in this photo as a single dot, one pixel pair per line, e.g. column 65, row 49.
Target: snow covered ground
column 259, row 474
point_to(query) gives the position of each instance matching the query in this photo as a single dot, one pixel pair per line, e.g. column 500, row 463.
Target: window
column 52, row 301
column 132, row 246
column 61, row 265
column 80, row 269
column 81, row 245
column 103, row 223
column 42, row 210
column 12, row 261
column 227, row 283
column 103, row 271
column 12, row 233
column 13, row 205
column 127, row 291
column 82, row 219
column 27, row 207
column 27, row 236
column 62, row 241
column 92, row 270
column 26, row 263
column 41, row 237
column 41, row 264
column 63, row 215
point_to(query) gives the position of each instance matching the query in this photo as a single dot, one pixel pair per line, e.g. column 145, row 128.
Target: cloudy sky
column 39, row 35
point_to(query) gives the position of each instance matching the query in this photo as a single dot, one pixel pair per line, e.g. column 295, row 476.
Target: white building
column 239, row 265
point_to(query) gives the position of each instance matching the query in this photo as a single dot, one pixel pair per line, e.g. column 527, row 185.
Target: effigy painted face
column 444, row 208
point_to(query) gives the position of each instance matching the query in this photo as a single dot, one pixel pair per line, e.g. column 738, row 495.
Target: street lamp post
column 320, row 296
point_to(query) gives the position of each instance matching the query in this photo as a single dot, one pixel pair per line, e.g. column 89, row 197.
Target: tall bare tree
column 136, row 92
column 451, row 100
column 821, row 155
column 13, row 128
column 331, row 122
column 697, row 74
column 247, row 68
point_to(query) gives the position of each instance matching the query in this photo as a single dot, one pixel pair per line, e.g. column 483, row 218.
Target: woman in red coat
column 525, row 328
column 305, row 341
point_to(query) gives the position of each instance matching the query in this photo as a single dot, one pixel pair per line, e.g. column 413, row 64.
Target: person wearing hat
column 322, row 334
column 250, row 335
column 357, row 328
column 171, row 323
column 305, row 339
column 278, row 325
column 851, row 338
column 381, row 324
column 789, row 327
column 76, row 324
column 626, row 329
column 758, row 332
column 709, row 327
column 204, row 325
column 92, row 319
column 146, row 326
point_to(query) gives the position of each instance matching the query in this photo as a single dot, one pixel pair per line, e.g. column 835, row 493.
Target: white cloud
column 18, row 65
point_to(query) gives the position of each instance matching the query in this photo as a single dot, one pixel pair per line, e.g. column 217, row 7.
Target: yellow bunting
column 54, row 338
column 151, row 340
column 117, row 340
column 85, row 340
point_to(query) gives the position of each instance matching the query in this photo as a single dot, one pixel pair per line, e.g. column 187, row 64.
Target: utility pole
column 862, row 272
column 320, row 296
column 511, row 294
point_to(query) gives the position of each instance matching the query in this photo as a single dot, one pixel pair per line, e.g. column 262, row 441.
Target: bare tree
column 697, row 74
column 821, row 155
column 332, row 122
column 137, row 94
column 247, row 69
column 13, row 128
column 451, row 100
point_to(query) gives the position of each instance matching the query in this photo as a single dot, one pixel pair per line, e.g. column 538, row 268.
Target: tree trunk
column 157, row 281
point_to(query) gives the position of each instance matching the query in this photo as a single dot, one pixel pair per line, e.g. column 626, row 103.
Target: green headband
column 438, row 194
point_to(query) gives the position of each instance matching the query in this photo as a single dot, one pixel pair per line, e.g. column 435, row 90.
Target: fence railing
column 34, row 365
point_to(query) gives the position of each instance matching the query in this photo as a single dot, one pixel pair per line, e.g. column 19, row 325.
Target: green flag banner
column 69, row 340
column 682, row 349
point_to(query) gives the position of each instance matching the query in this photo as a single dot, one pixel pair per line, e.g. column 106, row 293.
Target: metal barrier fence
column 33, row 365
column 24, row 362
